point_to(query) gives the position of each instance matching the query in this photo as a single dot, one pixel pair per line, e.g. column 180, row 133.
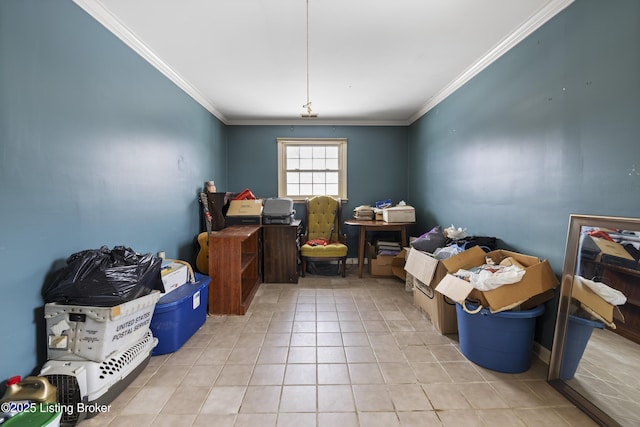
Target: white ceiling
column 371, row 62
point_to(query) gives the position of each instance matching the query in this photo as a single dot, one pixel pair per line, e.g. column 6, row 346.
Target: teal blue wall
column 97, row 148
column 551, row 128
column 376, row 163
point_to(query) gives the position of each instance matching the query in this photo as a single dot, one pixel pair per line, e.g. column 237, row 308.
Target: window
column 311, row 167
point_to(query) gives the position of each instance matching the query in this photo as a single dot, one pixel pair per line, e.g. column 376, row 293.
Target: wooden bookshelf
column 234, row 268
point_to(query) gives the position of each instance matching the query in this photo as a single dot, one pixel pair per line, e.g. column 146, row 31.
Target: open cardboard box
column 427, row 272
column 613, row 253
column 379, row 265
column 537, row 281
column 397, row 264
column 251, row 207
column 595, row 304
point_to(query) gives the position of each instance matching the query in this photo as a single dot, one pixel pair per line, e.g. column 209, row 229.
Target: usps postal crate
column 78, row 332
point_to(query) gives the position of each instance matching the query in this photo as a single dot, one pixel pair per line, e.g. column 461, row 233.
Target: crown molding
column 96, row 9
column 550, row 10
column 100, row 13
column 316, row 122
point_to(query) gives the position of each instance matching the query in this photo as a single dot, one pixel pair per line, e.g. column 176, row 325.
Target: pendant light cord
column 308, row 104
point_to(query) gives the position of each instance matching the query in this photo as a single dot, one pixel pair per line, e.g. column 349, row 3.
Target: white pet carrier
column 86, row 388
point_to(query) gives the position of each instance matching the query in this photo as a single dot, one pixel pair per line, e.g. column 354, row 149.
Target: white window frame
column 283, row 143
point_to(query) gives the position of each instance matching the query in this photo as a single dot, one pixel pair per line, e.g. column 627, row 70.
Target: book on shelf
column 382, row 245
column 388, row 243
column 388, row 252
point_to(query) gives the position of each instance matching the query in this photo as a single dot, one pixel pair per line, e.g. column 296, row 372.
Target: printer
column 278, row 210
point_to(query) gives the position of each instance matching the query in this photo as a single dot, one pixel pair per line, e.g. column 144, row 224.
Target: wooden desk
column 370, row 225
column 281, row 246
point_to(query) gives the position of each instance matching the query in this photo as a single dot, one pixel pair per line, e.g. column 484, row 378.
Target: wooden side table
column 371, row 225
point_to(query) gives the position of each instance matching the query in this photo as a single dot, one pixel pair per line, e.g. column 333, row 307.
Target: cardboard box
column 245, row 208
column 613, row 253
column 427, row 273
column 399, row 214
column 397, row 264
column 595, row 304
column 538, row 279
column 244, row 212
column 380, row 265
column 174, row 275
column 588, row 249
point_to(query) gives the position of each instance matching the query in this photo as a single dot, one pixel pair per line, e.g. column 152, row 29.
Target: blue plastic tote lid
column 185, row 291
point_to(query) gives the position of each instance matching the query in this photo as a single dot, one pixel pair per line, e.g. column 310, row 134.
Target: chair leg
column 303, row 267
column 344, row 267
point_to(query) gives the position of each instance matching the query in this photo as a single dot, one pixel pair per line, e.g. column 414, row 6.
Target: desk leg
column 363, row 232
column 404, row 235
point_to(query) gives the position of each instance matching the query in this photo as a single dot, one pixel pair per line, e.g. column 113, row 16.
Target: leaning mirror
column 595, row 358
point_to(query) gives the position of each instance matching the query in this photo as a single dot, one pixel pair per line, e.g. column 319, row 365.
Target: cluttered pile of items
column 491, row 297
column 384, row 210
column 106, row 313
column 98, row 310
column 386, row 257
column 224, row 209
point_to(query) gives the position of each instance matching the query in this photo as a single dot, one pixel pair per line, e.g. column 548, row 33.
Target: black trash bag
column 487, row 243
column 104, row 278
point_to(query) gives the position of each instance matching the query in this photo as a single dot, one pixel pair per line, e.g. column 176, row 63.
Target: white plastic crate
column 77, row 332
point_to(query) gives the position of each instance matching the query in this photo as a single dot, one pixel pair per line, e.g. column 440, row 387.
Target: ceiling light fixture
column 309, row 114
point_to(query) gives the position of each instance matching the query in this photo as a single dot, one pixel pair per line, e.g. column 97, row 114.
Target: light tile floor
column 335, row 352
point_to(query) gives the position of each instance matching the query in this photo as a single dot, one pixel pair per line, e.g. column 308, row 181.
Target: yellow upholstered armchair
column 323, row 240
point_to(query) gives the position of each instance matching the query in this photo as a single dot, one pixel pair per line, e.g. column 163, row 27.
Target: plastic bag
column 488, row 277
column 485, row 242
column 454, row 233
column 447, row 252
column 606, row 292
column 104, row 278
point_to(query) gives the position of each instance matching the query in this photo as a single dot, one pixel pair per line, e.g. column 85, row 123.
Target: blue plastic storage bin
column 179, row 314
column 498, row 341
column 578, row 334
